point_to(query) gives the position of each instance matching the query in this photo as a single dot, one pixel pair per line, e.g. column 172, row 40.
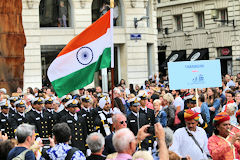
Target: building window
column 200, row 19
column 223, row 16
column 54, row 13
column 179, row 22
column 48, row 54
column 100, row 7
column 159, row 24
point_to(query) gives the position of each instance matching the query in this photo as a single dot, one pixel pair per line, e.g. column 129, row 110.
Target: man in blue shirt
column 25, row 134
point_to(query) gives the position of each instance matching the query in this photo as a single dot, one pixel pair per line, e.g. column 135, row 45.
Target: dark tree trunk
column 12, row 43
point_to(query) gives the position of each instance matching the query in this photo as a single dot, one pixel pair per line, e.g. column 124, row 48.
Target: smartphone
column 45, row 141
column 184, row 159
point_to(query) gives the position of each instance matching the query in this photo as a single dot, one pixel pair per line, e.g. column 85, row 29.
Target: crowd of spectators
column 150, row 121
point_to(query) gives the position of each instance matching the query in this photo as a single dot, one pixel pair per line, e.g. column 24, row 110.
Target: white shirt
column 144, row 109
column 21, row 114
column 39, row 112
column 74, row 116
column 178, row 102
column 86, row 109
column 115, row 12
column 184, row 145
column 230, row 83
column 116, row 110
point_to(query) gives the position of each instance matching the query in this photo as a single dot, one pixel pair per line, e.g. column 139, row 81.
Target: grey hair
column 122, row 138
column 95, row 142
column 23, row 131
column 117, row 90
column 115, row 117
column 168, row 136
column 168, row 97
column 145, row 155
column 232, row 107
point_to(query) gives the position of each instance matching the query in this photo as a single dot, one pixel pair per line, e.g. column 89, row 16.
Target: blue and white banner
column 194, row 74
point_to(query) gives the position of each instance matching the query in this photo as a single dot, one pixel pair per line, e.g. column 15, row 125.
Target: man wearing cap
column 150, row 118
column 12, row 106
column 77, row 124
column 136, row 120
column 143, row 108
column 202, row 117
column 64, row 111
column 191, row 104
column 190, row 140
column 88, row 113
column 104, row 120
column 38, row 118
column 50, row 113
column 19, row 116
column 5, row 119
column 222, row 145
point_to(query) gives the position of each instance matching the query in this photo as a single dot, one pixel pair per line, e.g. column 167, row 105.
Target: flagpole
column 112, row 52
column 111, row 3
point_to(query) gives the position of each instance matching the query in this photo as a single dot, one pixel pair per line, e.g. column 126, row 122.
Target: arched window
column 100, row 7
column 54, row 13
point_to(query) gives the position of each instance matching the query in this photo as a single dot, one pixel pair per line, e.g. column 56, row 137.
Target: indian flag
column 85, row 54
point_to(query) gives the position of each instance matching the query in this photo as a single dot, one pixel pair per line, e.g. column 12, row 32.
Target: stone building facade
column 199, row 30
column 135, row 60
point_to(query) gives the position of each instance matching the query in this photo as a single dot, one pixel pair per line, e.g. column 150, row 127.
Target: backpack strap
column 45, row 155
column 70, row 153
column 194, row 139
column 22, row 154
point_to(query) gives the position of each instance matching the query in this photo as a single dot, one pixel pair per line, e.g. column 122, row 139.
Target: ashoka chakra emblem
column 84, row 55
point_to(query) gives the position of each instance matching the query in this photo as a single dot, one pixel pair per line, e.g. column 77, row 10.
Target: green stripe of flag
column 83, row 77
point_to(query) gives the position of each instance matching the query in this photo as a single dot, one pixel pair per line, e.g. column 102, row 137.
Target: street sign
column 135, row 36
column 194, row 74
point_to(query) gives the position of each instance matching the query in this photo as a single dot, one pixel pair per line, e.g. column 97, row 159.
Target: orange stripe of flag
column 93, row 32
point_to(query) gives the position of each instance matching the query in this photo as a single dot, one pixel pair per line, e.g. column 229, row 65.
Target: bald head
column 122, row 139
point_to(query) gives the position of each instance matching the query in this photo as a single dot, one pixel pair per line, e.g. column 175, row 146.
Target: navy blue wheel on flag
column 84, row 55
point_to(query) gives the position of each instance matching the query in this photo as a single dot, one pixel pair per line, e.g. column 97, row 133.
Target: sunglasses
column 121, row 122
column 134, row 106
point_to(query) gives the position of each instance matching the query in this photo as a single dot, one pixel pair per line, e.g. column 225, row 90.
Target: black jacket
column 89, row 118
column 5, row 125
column 99, row 123
column 133, row 124
column 149, row 115
column 108, row 147
column 17, row 119
column 95, row 157
column 144, row 118
column 52, row 119
column 78, row 131
column 40, row 123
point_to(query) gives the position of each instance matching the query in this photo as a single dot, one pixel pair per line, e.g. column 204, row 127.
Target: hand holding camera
column 142, row 133
column 159, row 131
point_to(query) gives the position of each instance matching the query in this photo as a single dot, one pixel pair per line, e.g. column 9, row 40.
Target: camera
column 151, row 130
column 45, row 141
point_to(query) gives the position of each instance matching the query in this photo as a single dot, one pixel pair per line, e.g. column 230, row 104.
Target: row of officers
column 81, row 121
